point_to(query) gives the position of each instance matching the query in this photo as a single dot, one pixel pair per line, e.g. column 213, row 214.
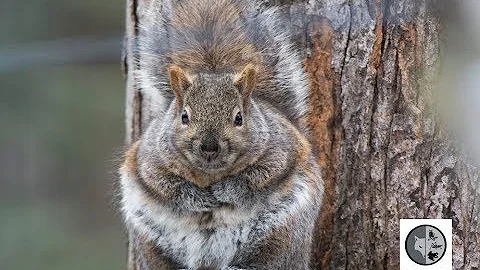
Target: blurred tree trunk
column 385, row 156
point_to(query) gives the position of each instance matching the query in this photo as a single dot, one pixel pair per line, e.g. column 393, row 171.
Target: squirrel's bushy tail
column 222, row 35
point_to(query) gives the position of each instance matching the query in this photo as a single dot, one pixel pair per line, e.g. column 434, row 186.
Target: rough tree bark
column 384, row 153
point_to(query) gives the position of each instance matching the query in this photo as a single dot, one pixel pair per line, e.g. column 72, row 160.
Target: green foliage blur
column 61, row 134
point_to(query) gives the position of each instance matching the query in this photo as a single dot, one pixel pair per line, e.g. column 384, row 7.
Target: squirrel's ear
column 246, row 80
column 179, row 81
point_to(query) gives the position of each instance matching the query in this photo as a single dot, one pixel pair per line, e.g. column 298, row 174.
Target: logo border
column 444, row 240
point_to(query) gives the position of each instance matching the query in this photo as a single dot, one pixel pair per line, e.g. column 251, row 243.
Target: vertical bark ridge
column 321, row 120
column 377, row 185
column 133, row 97
column 352, row 225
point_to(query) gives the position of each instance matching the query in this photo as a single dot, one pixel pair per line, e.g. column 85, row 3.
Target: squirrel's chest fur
column 214, row 238
column 209, row 238
column 192, row 240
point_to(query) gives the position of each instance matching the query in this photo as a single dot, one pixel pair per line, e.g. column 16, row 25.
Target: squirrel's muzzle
column 210, row 148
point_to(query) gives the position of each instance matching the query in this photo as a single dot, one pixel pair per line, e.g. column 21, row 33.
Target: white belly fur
column 184, row 236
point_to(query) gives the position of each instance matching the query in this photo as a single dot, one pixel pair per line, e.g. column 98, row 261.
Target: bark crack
column 428, row 170
column 345, row 52
column 471, row 218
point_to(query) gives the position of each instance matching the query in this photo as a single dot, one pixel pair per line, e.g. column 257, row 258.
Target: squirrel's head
column 212, row 116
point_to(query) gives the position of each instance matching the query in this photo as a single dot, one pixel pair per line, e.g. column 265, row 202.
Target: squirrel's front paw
column 210, row 201
column 232, row 191
column 192, row 198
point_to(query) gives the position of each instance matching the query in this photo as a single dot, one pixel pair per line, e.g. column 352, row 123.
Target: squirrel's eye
column 184, row 117
column 238, row 120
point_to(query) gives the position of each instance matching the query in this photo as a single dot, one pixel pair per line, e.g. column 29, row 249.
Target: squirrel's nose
column 210, row 149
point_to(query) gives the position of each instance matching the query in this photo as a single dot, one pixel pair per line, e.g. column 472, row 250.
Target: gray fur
column 255, row 205
column 287, row 89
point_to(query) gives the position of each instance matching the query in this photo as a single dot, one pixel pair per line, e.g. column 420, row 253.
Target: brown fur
column 300, row 156
column 225, row 48
column 197, row 177
column 179, row 80
column 231, row 47
column 276, row 242
column 145, row 255
column 152, row 189
column 303, row 149
column 130, row 163
column 246, row 80
column 273, row 244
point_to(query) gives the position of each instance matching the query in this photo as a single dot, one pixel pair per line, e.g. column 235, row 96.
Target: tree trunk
column 384, row 154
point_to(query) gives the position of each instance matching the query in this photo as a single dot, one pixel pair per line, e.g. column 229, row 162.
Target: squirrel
column 224, row 176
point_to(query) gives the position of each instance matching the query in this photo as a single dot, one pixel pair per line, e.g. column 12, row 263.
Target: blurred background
column 61, row 125
column 459, row 82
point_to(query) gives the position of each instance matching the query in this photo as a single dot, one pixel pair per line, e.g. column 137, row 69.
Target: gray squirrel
column 224, row 176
